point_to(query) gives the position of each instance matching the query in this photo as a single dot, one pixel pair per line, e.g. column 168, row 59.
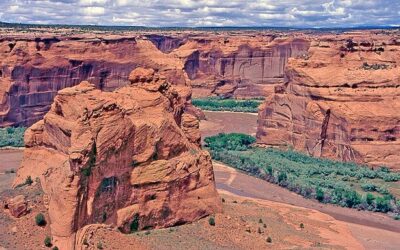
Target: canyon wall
column 130, row 158
column 340, row 101
column 238, row 66
column 33, row 70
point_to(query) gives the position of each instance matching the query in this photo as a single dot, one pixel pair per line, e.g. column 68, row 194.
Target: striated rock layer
column 32, row 70
column 340, row 101
column 129, row 158
column 238, row 66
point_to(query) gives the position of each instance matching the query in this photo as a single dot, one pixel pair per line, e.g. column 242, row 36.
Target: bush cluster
column 344, row 184
column 235, row 105
column 13, row 137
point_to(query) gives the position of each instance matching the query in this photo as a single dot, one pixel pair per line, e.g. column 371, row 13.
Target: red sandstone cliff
column 130, row 158
column 240, row 66
column 32, row 70
column 340, row 101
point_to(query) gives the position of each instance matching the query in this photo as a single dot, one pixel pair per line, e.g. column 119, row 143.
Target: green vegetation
column 55, row 248
column 47, row 241
column 211, row 221
column 135, row 223
column 91, row 162
column 344, row 184
column 235, row 105
column 40, row 220
column 28, row 182
column 269, row 240
column 12, row 137
column 301, row 225
column 230, row 142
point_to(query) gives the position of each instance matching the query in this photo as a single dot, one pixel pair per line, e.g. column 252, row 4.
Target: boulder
column 17, row 206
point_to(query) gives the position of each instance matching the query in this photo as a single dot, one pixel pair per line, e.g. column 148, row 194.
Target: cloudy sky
column 292, row 13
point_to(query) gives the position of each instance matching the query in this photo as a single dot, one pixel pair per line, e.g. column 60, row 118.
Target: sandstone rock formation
column 32, row 70
column 340, row 101
column 17, row 206
column 129, row 158
column 240, row 66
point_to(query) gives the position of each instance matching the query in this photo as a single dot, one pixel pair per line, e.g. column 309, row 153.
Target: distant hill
column 226, row 28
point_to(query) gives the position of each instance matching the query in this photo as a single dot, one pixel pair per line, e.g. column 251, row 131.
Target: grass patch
column 328, row 181
column 12, row 137
column 220, row 104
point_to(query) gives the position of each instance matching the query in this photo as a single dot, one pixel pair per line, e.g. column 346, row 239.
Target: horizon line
column 2, row 23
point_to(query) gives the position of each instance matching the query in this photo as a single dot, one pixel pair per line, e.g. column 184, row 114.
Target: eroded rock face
column 32, row 70
column 239, row 66
column 340, row 101
column 129, row 158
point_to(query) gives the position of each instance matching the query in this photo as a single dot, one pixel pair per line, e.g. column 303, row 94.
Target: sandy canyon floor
column 248, row 201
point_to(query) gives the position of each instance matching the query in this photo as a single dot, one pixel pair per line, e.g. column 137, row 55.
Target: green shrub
column 211, row 221
column 382, row 204
column 282, row 177
column 135, row 223
column 369, row 198
column 301, row 225
column 28, row 180
column 352, row 198
column 100, row 245
column 13, row 137
column 319, row 194
column 87, row 170
column 47, row 241
column 40, row 220
column 368, row 187
column 55, row 248
column 269, row 239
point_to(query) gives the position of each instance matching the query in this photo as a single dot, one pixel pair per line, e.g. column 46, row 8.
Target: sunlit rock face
column 340, row 101
column 130, row 158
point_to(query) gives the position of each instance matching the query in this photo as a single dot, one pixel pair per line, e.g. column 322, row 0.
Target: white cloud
column 93, row 11
column 307, row 13
column 92, row 2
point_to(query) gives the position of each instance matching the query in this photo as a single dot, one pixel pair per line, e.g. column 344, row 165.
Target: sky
column 190, row 13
